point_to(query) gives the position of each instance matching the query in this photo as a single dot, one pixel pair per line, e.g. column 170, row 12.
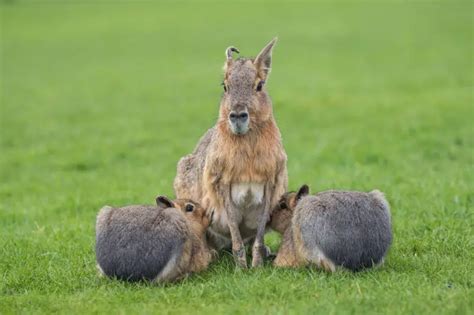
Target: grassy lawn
column 99, row 101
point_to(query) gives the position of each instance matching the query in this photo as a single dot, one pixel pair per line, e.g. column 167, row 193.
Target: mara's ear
column 164, row 202
column 228, row 56
column 263, row 61
column 303, row 191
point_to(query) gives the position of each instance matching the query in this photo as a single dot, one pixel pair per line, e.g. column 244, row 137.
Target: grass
column 99, row 101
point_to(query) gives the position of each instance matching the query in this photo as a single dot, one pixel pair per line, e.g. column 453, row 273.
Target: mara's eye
column 260, row 85
column 189, row 207
column 224, row 86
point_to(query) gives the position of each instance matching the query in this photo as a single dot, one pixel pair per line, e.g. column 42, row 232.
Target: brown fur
column 199, row 221
column 223, row 159
column 292, row 252
column 196, row 255
column 289, row 252
column 255, row 158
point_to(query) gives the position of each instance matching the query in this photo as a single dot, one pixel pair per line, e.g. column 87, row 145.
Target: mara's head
column 283, row 212
column 193, row 211
column 245, row 103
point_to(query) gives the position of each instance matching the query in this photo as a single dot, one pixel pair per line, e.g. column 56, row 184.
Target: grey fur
column 352, row 229
column 137, row 242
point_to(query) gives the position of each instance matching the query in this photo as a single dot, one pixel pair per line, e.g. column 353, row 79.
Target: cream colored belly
column 248, row 200
column 246, row 194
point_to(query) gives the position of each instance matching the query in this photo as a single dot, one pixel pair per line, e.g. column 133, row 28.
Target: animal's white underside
column 247, row 193
column 248, row 197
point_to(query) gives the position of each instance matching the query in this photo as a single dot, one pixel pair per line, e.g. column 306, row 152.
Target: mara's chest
column 247, row 194
column 245, row 164
column 243, row 170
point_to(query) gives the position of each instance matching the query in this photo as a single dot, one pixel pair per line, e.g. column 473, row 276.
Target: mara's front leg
column 238, row 247
column 259, row 250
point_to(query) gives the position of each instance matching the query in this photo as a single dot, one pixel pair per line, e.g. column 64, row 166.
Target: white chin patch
column 247, row 193
column 239, row 129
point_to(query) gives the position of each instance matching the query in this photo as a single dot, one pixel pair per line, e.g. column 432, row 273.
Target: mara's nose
column 240, row 116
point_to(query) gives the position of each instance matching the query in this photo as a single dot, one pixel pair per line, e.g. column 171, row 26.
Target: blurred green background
column 99, row 100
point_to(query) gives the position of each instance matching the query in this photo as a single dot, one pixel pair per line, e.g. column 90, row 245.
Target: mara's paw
column 240, row 257
column 268, row 252
column 258, row 253
column 100, row 272
column 327, row 265
column 214, row 254
column 257, row 261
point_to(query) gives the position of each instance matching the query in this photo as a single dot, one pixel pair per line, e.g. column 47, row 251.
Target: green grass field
column 99, row 101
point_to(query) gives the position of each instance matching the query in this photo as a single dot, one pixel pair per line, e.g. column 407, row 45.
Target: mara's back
column 137, row 242
column 187, row 183
column 353, row 229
